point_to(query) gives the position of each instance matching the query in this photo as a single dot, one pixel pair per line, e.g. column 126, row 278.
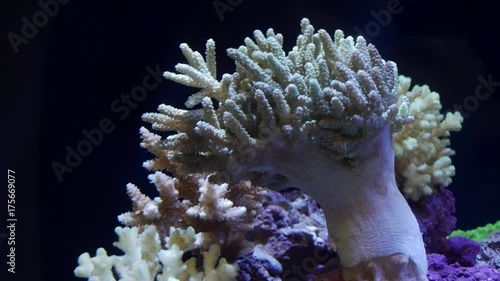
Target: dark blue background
column 66, row 78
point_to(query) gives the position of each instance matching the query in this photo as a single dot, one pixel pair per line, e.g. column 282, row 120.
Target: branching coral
column 330, row 117
column 421, row 147
column 209, row 207
column 334, row 93
column 318, row 118
column 144, row 259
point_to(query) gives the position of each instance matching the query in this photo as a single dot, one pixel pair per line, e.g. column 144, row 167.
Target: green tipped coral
column 477, row 234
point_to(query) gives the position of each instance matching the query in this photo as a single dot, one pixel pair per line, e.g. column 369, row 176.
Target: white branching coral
column 421, row 147
column 319, row 118
column 194, row 201
column 145, row 259
column 213, row 205
column 149, row 209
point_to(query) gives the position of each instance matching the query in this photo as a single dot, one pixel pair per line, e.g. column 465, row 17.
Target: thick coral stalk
column 375, row 233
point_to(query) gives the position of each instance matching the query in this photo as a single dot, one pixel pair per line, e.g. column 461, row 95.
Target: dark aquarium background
column 75, row 76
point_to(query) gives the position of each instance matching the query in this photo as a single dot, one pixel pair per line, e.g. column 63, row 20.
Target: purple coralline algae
column 290, row 231
column 462, row 250
column 435, row 216
column 292, row 243
column 440, row 270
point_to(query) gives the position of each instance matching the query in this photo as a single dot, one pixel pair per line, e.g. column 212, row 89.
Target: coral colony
column 331, row 118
